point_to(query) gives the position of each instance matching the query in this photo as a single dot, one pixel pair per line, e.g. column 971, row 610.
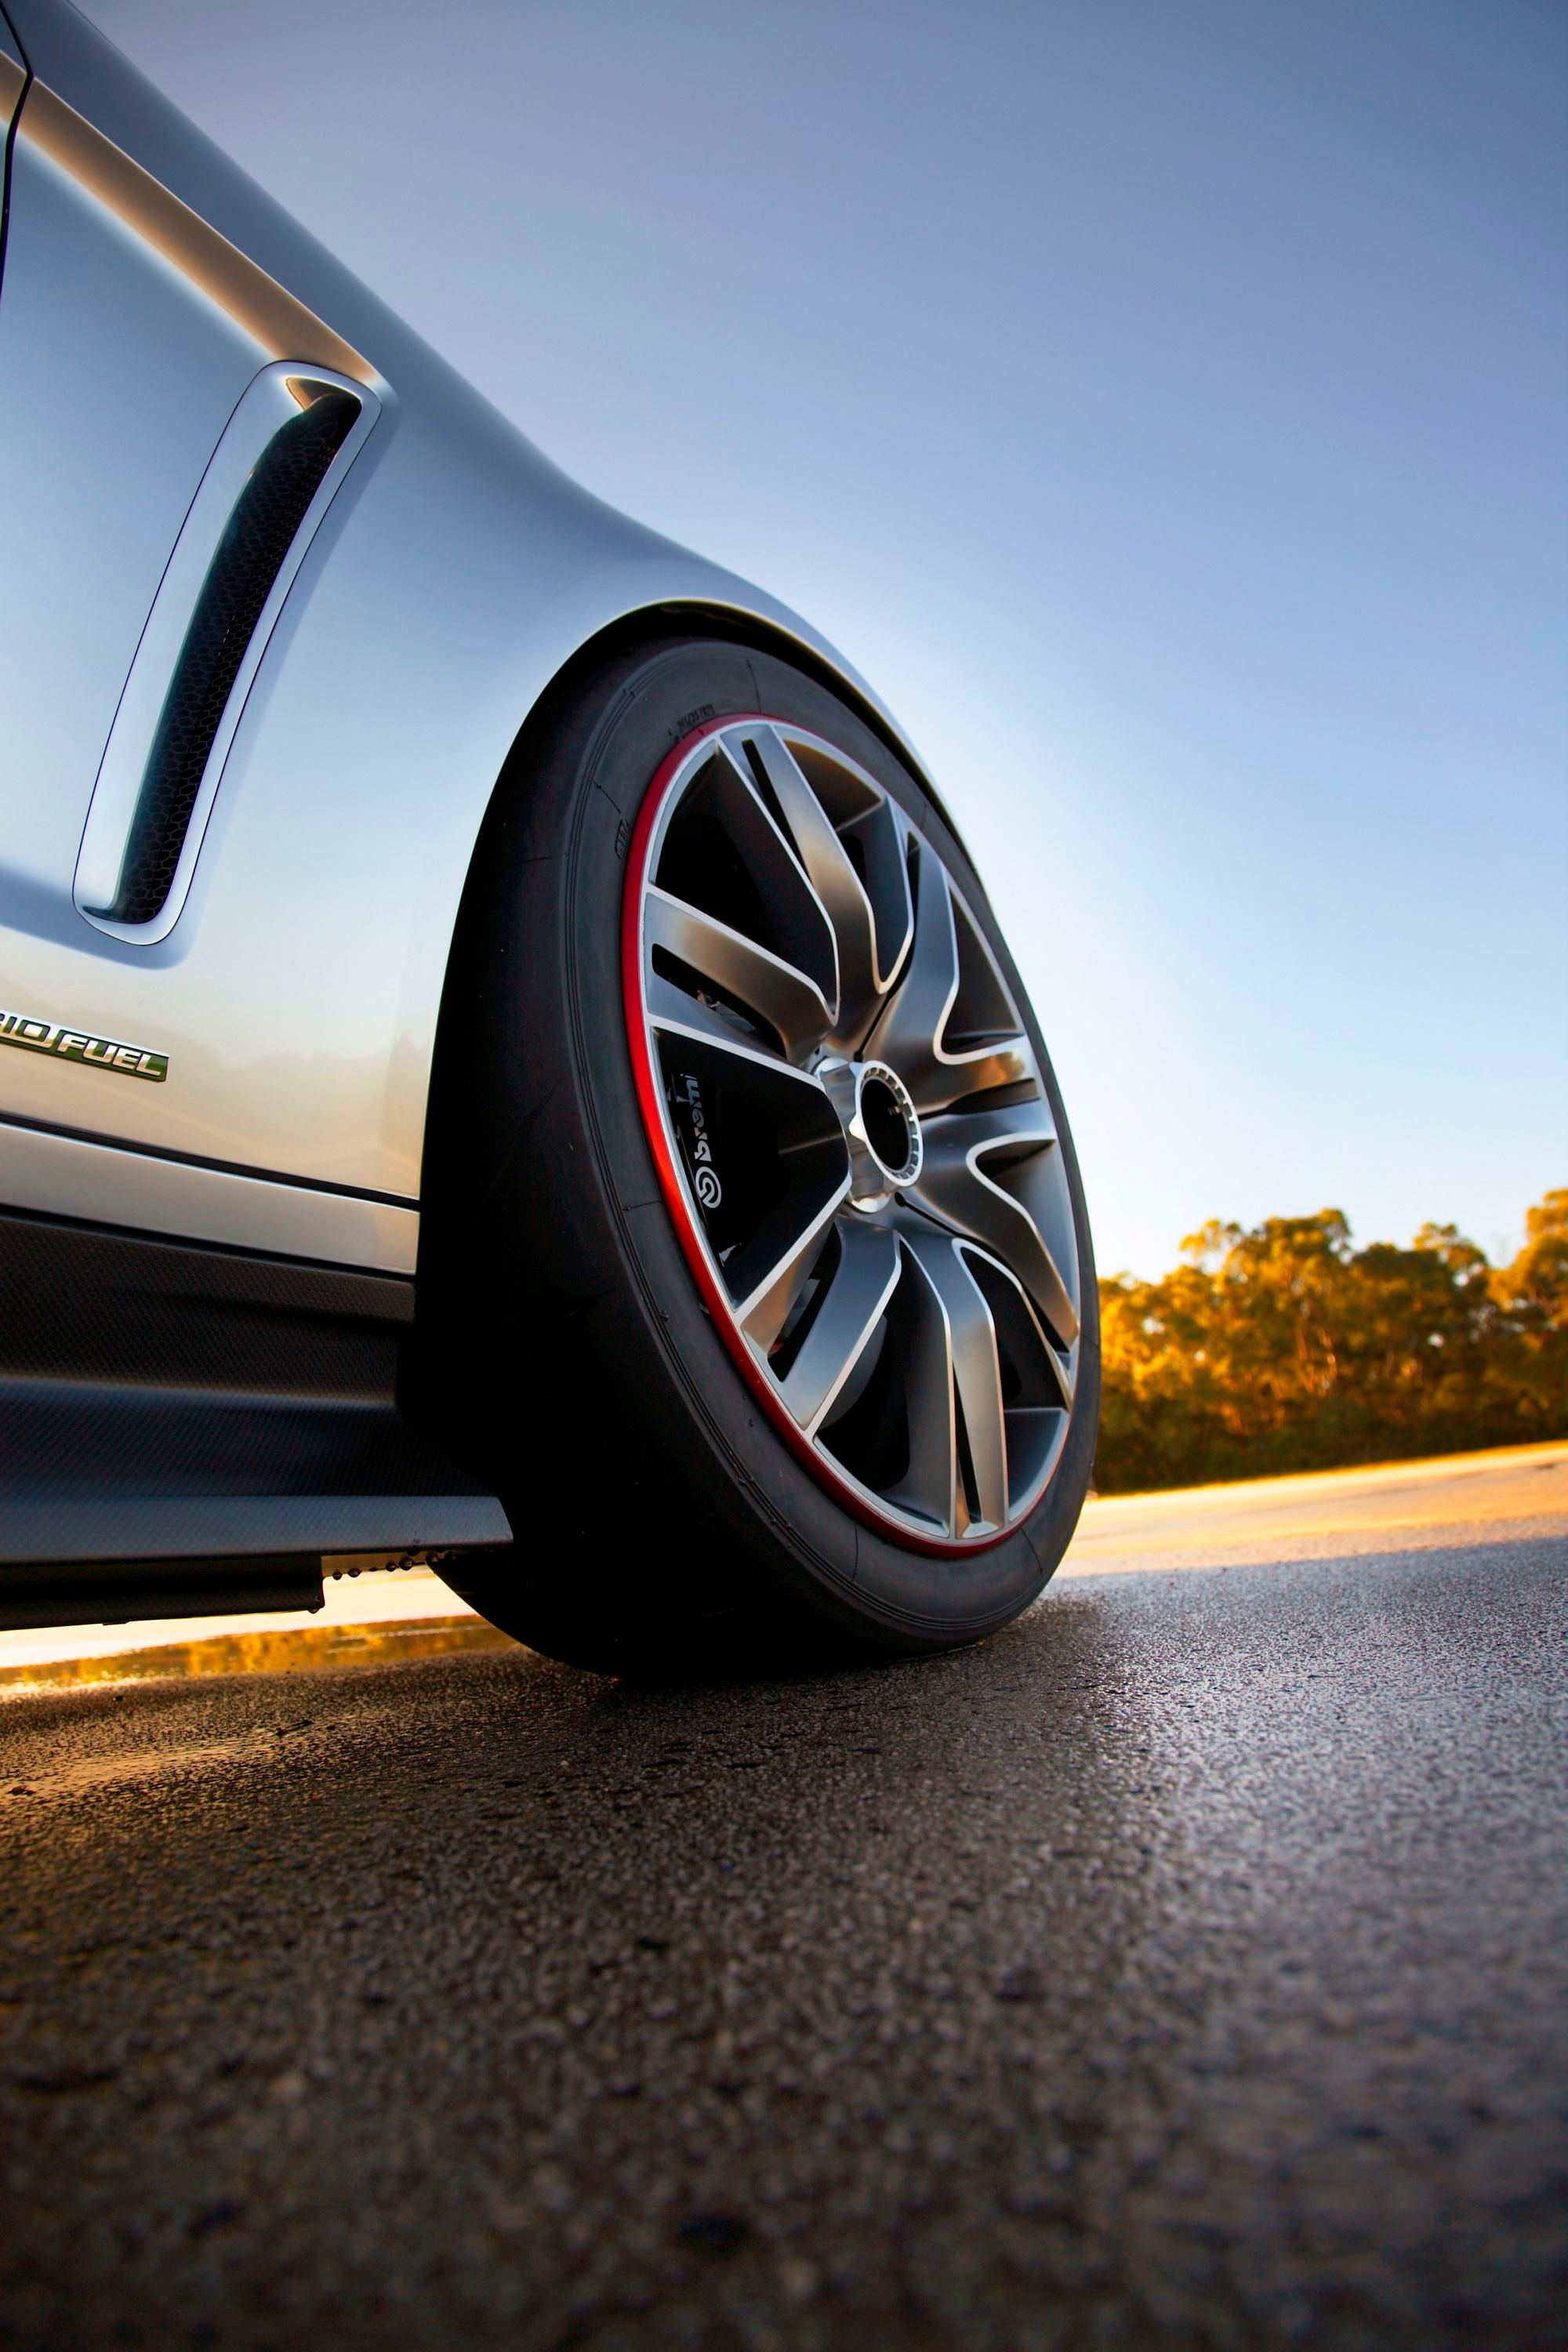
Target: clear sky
column 1164, row 407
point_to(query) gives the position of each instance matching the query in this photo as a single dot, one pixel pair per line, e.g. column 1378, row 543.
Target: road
column 1186, row 1965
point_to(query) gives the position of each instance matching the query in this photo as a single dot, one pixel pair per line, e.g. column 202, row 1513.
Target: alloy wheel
column 851, row 1133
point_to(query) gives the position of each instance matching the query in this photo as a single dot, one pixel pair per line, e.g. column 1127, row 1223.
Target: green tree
column 1285, row 1348
column 1531, row 1296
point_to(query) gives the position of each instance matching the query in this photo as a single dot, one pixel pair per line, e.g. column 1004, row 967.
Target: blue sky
column 1165, row 407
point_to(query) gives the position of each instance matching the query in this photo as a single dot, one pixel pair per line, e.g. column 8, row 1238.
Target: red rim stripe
column 649, row 1090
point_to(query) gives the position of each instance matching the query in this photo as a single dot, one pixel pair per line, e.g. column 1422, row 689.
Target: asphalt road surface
column 1186, row 1965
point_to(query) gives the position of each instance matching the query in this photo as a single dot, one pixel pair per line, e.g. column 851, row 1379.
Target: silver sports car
column 506, row 1059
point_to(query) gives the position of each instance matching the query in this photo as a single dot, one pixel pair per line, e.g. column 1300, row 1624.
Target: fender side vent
column 250, row 554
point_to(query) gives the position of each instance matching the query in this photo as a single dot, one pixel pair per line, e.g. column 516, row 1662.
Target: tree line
column 1285, row 1348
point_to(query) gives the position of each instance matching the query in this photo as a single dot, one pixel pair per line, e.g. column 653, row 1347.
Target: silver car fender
column 454, row 573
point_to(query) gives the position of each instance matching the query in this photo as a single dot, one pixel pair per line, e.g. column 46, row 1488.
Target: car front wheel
column 757, row 1275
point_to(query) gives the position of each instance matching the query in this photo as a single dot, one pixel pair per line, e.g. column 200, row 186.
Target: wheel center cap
column 881, row 1127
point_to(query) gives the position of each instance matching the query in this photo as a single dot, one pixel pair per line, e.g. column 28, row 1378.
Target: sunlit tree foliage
column 1288, row 1348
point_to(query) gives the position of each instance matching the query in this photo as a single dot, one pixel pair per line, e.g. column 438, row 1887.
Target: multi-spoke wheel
column 758, row 1276
column 852, row 1132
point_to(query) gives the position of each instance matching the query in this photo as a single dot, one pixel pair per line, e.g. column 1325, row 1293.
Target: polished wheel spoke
column 804, row 928
column 1009, row 1062
column 764, row 1310
column 930, row 1486
column 835, row 882
column 854, row 1299
column 976, row 1369
column 1049, row 1368
column 911, row 1032
column 880, row 841
column 779, row 993
column 907, row 1035
column 672, row 1012
column 993, row 1203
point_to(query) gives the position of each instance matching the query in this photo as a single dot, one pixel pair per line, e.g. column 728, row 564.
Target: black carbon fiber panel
column 87, row 1302
column 164, row 1401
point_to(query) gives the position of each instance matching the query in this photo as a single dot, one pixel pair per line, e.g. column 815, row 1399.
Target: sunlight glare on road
column 372, row 1617
column 1327, row 1514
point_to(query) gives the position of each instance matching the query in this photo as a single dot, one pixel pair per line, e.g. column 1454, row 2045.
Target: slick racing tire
column 757, row 1276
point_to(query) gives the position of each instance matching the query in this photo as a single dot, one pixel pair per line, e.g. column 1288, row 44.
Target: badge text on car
column 35, row 1036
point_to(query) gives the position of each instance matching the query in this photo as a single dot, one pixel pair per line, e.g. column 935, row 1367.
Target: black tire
column 660, row 1521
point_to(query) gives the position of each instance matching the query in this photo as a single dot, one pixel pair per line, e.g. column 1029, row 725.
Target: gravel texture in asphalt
column 1186, row 1965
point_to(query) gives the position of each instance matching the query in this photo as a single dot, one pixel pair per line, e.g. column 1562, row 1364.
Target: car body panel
column 128, row 331
column 456, row 573
column 53, row 1173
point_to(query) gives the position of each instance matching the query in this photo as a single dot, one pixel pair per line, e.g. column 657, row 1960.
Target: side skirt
column 186, row 1429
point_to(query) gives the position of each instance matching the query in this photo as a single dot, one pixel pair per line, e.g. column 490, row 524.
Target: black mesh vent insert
column 239, row 579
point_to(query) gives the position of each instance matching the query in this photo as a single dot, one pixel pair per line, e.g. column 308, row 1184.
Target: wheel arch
column 624, row 635
column 736, row 624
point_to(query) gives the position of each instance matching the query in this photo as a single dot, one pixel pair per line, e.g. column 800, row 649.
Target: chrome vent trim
column 270, row 480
